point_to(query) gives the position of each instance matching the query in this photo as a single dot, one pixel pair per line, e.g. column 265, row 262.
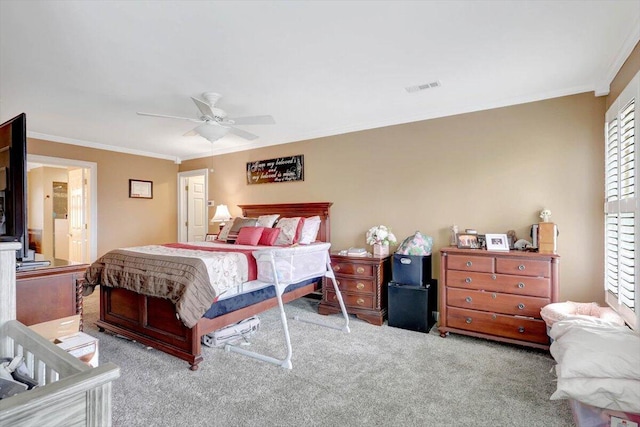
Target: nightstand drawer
column 352, row 300
column 522, row 267
column 496, row 302
column 471, row 263
column 521, row 285
column 353, row 269
column 518, row 328
column 354, row 285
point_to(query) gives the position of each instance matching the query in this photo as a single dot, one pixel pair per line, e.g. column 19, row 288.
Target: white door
column 193, row 205
column 196, row 209
column 77, row 223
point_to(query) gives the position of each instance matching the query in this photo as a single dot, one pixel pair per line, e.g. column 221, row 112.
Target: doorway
column 193, row 216
column 62, row 208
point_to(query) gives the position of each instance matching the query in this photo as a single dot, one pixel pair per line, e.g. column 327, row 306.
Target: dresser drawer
column 499, row 325
column 353, row 269
column 496, row 302
column 523, row 267
column 353, row 285
column 470, row 263
column 352, row 300
column 521, row 285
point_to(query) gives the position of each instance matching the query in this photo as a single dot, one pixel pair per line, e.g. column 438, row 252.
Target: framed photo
column 140, row 189
column 467, row 241
column 497, row 242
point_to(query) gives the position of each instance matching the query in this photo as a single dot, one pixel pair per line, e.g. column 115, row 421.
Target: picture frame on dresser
column 497, row 242
column 467, row 241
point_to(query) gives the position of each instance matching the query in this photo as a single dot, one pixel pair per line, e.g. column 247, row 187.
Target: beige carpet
column 374, row 376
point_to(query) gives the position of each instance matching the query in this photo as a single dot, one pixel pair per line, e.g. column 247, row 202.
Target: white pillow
column 607, row 393
column 288, row 228
column 224, row 233
column 310, row 230
column 596, row 351
column 267, row 220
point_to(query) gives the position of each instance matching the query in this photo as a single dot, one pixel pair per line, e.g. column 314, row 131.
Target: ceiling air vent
column 425, row 86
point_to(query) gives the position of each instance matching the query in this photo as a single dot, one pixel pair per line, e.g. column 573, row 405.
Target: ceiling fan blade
column 243, row 134
column 168, row 117
column 204, row 108
column 253, row 120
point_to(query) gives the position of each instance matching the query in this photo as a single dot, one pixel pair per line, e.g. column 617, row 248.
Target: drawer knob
column 360, row 270
column 521, row 285
column 521, row 329
column 336, row 268
column 469, row 263
column 359, row 301
column 468, row 299
column 360, row 285
column 468, row 320
column 521, row 267
column 493, row 277
column 467, row 280
column 521, row 306
column 494, row 295
column 335, row 297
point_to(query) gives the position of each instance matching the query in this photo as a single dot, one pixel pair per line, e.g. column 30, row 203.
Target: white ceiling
column 81, row 70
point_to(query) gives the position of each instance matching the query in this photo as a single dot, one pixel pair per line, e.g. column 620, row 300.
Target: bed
column 153, row 321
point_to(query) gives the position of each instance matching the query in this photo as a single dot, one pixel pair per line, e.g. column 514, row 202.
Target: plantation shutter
column 621, row 211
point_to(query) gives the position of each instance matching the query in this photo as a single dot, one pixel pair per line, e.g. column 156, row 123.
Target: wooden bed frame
column 152, row 321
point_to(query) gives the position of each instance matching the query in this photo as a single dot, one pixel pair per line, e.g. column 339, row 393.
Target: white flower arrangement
column 380, row 235
column 545, row 215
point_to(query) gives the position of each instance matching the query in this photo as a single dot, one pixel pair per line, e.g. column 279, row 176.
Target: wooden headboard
column 289, row 210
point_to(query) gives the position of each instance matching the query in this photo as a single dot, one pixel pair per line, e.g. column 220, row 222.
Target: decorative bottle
column 454, row 235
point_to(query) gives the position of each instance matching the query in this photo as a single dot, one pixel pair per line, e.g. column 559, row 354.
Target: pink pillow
column 269, row 236
column 249, row 236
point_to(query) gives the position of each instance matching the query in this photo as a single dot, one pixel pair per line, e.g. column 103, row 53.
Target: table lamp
column 222, row 215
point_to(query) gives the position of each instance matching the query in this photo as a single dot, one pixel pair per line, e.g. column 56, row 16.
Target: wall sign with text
column 282, row 169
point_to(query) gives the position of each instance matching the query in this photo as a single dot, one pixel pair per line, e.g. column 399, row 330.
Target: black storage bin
column 412, row 307
column 411, row 269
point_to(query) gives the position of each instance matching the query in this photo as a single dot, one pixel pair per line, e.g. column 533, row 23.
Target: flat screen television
column 13, row 183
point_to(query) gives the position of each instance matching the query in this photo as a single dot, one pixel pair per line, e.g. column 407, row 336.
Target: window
column 622, row 221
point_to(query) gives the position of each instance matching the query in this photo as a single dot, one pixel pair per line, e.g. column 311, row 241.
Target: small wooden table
column 363, row 284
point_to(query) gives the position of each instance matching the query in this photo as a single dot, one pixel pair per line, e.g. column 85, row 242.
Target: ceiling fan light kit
column 215, row 123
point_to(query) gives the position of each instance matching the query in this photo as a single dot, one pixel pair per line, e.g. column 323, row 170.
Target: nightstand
column 363, row 284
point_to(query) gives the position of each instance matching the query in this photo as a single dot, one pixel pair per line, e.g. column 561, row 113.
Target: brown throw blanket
column 182, row 280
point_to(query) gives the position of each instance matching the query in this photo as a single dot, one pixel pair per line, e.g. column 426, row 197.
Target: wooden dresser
column 49, row 293
column 497, row 295
column 363, row 284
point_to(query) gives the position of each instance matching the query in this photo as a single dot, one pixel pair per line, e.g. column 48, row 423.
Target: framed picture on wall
column 140, row 189
column 497, row 242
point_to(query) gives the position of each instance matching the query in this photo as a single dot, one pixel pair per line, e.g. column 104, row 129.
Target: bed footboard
column 152, row 321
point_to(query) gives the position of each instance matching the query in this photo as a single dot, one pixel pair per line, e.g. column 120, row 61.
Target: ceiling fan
column 215, row 123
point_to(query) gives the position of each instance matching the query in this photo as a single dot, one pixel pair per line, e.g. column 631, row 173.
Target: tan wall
column 492, row 170
column 123, row 221
column 629, row 69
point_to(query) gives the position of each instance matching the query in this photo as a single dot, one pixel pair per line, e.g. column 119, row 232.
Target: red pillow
column 249, row 236
column 269, row 236
column 299, row 231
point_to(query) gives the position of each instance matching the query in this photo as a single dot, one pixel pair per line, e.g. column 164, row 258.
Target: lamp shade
column 212, row 131
column 222, row 214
